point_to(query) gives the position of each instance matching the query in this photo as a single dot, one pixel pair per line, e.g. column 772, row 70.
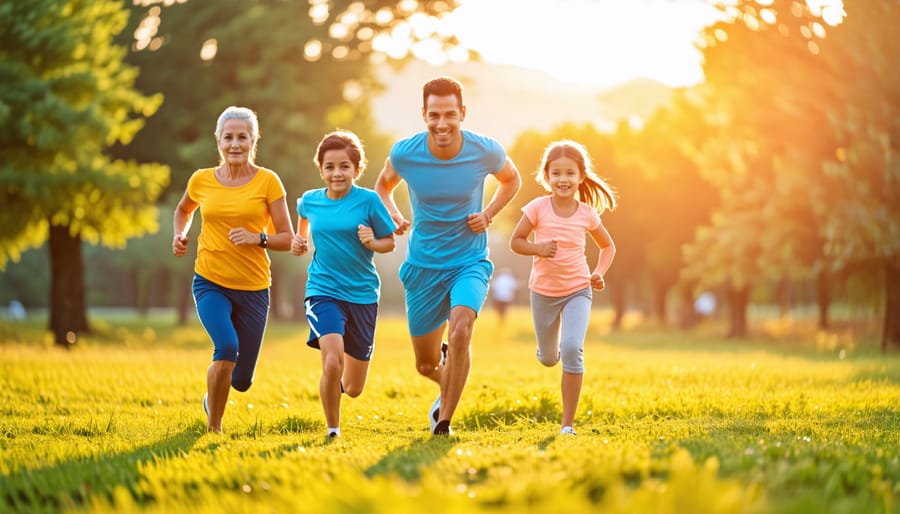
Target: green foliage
column 666, row 424
column 65, row 99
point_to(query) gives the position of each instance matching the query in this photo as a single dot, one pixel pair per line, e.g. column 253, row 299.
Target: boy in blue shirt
column 447, row 270
column 347, row 224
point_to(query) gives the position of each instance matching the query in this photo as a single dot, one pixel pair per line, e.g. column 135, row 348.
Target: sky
column 592, row 42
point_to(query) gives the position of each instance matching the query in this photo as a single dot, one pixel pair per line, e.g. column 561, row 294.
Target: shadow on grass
column 407, row 462
column 71, row 484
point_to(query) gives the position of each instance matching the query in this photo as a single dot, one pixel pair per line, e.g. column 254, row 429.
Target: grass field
column 668, row 423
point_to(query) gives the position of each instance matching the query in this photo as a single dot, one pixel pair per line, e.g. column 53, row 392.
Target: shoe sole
column 433, row 413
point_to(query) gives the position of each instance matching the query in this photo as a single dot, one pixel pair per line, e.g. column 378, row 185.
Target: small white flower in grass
column 249, row 405
column 375, row 416
column 459, row 452
column 606, row 441
column 471, row 494
column 534, row 398
column 359, row 417
column 159, row 402
column 590, row 413
column 246, row 488
column 461, row 488
column 286, row 406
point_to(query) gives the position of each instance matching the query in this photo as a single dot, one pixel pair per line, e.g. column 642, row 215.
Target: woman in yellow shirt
column 239, row 202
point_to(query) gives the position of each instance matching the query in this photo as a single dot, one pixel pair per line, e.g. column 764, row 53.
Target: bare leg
column 571, row 390
column 218, row 384
column 355, row 374
column 428, row 353
column 459, row 359
column 332, row 346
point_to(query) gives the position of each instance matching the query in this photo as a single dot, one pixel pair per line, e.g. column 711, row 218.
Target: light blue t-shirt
column 443, row 194
column 341, row 267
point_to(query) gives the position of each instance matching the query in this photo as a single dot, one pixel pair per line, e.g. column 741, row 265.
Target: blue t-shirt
column 341, row 267
column 443, row 194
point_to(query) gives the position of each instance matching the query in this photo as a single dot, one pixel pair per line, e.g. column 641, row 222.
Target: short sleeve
column 379, row 217
column 275, row 189
column 531, row 211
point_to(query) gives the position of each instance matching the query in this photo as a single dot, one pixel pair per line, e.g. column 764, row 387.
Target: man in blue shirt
column 447, row 270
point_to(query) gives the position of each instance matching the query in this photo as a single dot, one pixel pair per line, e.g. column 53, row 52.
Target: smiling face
column 235, row 142
column 443, row 115
column 563, row 176
column 338, row 172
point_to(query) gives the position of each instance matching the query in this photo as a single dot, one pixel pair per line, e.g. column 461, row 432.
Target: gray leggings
column 560, row 324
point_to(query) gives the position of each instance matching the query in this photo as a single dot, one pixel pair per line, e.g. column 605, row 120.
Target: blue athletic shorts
column 353, row 321
column 432, row 293
column 235, row 321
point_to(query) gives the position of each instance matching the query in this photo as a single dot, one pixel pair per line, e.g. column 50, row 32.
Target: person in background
column 347, row 224
column 503, row 291
column 240, row 203
column 446, row 272
column 560, row 279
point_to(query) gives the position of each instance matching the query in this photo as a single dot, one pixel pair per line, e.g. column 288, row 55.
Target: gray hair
column 240, row 113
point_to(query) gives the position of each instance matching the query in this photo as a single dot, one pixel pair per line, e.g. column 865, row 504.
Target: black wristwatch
column 263, row 240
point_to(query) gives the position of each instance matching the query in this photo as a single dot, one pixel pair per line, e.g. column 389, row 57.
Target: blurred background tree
column 66, row 99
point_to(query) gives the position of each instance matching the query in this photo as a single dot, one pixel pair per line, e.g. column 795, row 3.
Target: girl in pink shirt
column 561, row 280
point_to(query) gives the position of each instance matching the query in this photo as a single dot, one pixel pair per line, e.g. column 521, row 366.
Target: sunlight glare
column 587, row 41
column 318, row 12
column 312, row 50
column 209, row 50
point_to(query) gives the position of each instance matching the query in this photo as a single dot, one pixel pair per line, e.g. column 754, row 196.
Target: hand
column 597, row 282
column 401, row 222
column 179, row 245
column 299, row 245
column 547, row 249
column 479, row 222
column 241, row 236
column 365, row 234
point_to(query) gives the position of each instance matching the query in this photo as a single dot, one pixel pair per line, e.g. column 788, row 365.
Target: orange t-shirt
column 567, row 271
column 220, row 261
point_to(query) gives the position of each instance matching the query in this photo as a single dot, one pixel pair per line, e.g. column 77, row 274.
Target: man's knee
column 426, row 368
column 353, row 390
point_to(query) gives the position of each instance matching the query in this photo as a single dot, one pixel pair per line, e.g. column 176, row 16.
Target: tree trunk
column 660, row 300
column 689, row 316
column 784, row 297
column 738, row 300
column 823, row 298
column 68, row 309
column 184, row 298
column 617, row 296
column 890, row 336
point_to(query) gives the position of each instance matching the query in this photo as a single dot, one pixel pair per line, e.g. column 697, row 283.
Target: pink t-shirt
column 567, row 271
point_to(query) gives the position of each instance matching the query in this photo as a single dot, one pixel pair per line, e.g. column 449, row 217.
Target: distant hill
column 503, row 101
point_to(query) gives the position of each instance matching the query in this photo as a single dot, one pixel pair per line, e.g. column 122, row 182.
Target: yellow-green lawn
column 668, row 422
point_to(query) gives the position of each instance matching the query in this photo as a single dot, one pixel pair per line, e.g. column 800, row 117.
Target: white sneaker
column 206, row 403
column 434, row 412
column 567, row 430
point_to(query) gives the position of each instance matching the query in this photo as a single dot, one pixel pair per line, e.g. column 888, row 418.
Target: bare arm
column 520, row 244
column 607, row 252
column 284, row 231
column 367, row 238
column 387, row 181
column 300, row 241
column 184, row 216
column 280, row 240
column 510, row 182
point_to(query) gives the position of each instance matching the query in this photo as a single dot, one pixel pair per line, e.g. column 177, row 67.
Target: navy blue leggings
column 235, row 321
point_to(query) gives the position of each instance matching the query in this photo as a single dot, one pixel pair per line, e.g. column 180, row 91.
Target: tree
column 863, row 173
column 66, row 98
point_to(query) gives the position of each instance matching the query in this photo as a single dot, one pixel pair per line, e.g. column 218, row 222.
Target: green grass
column 790, row 421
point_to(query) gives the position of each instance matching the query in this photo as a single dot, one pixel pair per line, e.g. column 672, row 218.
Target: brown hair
column 593, row 190
column 442, row 86
column 342, row 140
